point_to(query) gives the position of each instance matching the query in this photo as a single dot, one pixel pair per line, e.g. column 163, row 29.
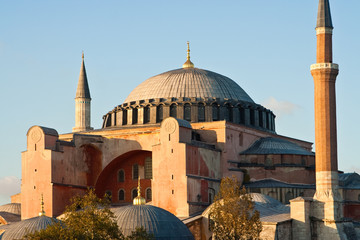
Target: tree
column 88, row 217
column 232, row 215
column 140, row 234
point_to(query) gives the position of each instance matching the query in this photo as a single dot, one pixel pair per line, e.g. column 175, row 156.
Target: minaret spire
column 324, row 73
column 82, row 101
column 324, row 15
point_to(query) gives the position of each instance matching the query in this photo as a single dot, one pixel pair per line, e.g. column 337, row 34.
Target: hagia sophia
column 181, row 132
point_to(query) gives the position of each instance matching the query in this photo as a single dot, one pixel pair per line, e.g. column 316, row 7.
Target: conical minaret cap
column 324, row 15
column 83, row 87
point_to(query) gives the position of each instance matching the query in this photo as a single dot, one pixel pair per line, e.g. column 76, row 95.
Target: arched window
column 135, row 171
column 215, row 112
column 241, row 115
column 148, row 168
column 359, row 198
column 261, row 123
column 124, row 118
column 173, row 110
column 252, row 117
column 201, row 112
column 148, row 194
column 267, row 116
column 159, row 113
column 187, row 112
column 108, row 194
column 108, row 120
column 228, row 113
column 121, row 195
column 135, row 115
column 121, row 175
column 288, row 196
column 134, row 193
column 146, row 114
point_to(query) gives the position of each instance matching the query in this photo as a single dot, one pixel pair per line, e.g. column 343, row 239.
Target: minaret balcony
column 324, row 66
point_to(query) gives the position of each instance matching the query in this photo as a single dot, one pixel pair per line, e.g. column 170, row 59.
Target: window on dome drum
column 288, row 196
column 187, row 112
column 215, row 112
column 148, row 194
column 148, row 168
column 241, row 115
column 146, row 114
column 267, row 118
column 108, row 120
column 252, row 117
column 121, row 176
column 201, row 112
column 159, row 113
column 114, row 116
column 359, row 197
column 124, row 117
column 135, row 115
column 108, row 194
column 228, row 113
column 135, row 172
column 173, row 110
column 134, row 193
column 121, row 195
column 261, row 119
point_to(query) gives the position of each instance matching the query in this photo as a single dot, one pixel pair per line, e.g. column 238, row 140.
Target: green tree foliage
column 88, row 217
column 140, row 234
column 232, row 215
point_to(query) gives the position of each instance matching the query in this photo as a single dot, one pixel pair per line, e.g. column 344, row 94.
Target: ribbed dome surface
column 14, row 208
column 163, row 224
column 20, row 229
column 188, row 82
column 270, row 145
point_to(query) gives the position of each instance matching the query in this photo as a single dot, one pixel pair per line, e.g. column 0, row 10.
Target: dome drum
column 153, row 111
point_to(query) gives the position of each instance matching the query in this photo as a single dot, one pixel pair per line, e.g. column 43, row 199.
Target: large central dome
column 188, row 82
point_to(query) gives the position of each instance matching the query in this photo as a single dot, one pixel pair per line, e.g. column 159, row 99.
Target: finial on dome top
column 42, row 212
column 139, row 200
column 82, row 55
column 188, row 63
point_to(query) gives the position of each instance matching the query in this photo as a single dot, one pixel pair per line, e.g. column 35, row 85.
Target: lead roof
column 324, row 14
column 188, row 82
column 83, row 86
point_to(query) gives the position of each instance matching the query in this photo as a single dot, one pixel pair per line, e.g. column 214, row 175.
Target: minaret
column 82, row 102
column 324, row 72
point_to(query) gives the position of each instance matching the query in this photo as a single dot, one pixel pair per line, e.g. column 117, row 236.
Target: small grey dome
column 14, row 208
column 163, row 224
column 188, row 82
column 20, row 229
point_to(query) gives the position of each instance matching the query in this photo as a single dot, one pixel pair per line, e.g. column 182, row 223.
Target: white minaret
column 82, row 102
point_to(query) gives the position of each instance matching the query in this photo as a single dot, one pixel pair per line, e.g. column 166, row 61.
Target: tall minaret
column 82, row 102
column 324, row 73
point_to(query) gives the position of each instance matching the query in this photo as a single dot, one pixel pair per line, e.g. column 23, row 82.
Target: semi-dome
column 161, row 223
column 190, row 83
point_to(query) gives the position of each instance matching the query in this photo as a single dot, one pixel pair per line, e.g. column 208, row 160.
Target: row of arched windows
column 256, row 117
column 121, row 194
column 135, row 171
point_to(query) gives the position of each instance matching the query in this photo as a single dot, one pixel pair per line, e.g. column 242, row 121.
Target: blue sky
column 265, row 46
